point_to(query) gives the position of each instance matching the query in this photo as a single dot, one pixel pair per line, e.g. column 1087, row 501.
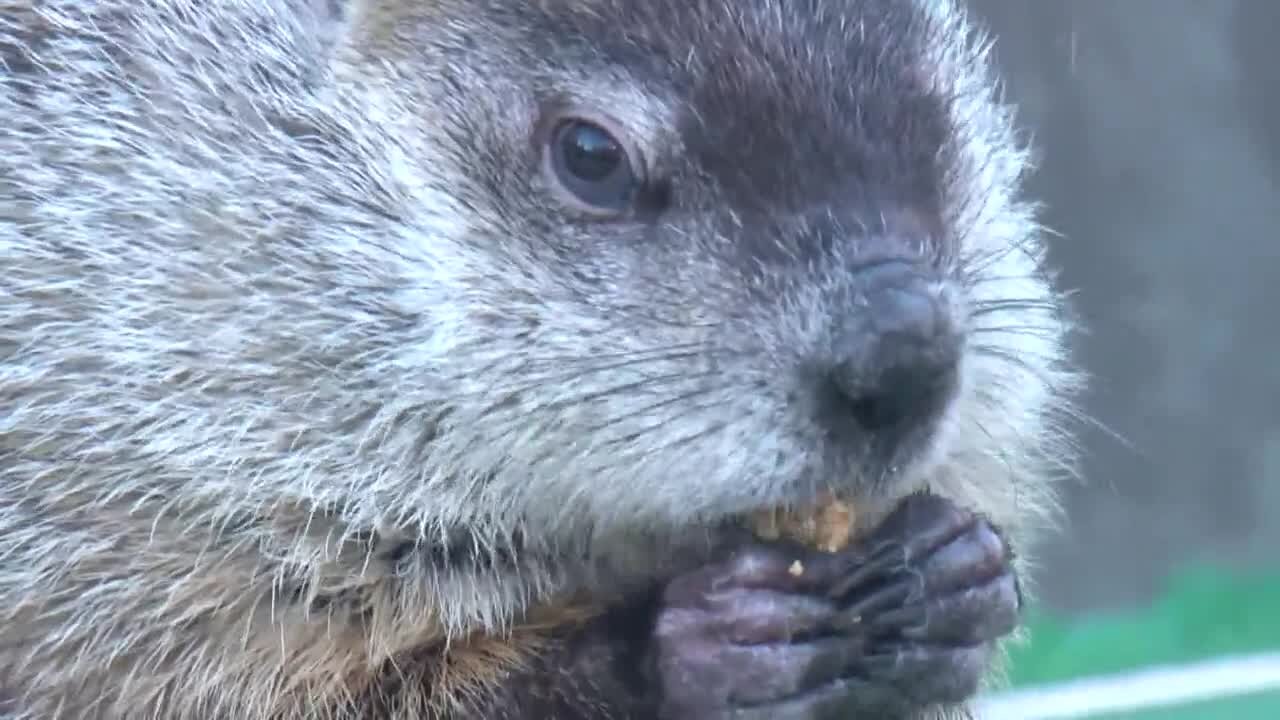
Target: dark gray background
column 1159, row 126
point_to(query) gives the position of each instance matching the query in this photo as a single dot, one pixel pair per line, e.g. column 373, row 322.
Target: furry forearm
column 596, row 671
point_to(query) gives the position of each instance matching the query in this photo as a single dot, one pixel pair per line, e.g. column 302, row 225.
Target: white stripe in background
column 1147, row 689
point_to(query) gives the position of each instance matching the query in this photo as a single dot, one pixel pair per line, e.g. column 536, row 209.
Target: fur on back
column 283, row 320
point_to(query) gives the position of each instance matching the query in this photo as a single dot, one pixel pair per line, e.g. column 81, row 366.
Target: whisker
column 988, row 278
column 666, row 402
column 527, row 382
column 645, row 383
column 1063, row 405
column 691, row 438
column 988, row 307
column 1020, row 361
column 995, row 447
column 522, row 422
column 619, row 354
column 1033, row 331
column 977, row 264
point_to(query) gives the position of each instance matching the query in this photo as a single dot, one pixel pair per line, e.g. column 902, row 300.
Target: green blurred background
column 1159, row 127
column 1206, row 613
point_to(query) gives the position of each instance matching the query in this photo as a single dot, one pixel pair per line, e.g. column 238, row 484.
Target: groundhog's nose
column 895, row 356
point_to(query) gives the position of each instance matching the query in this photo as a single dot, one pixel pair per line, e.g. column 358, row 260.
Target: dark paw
column 904, row 620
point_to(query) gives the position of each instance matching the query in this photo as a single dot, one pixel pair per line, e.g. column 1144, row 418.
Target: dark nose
column 895, row 356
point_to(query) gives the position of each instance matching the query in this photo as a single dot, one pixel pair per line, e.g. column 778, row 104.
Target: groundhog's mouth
column 828, row 526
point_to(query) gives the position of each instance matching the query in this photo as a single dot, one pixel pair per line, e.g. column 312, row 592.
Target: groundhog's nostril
column 895, row 361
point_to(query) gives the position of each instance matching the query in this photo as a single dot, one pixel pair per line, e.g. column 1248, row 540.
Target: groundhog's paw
column 737, row 638
column 935, row 593
column 903, row 620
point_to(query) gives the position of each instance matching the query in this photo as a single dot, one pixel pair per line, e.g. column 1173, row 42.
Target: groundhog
column 392, row 359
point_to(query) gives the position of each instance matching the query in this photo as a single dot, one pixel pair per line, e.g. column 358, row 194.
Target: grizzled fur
column 314, row 400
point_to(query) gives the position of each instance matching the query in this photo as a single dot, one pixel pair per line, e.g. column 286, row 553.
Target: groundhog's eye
column 590, row 167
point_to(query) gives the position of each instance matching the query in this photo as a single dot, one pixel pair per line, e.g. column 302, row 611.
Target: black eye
column 591, row 167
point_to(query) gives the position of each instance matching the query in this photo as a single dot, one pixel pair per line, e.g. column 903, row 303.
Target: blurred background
column 1159, row 127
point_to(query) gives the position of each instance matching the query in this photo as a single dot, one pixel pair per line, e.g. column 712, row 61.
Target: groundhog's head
column 669, row 260
column 677, row 259
column 581, row 262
